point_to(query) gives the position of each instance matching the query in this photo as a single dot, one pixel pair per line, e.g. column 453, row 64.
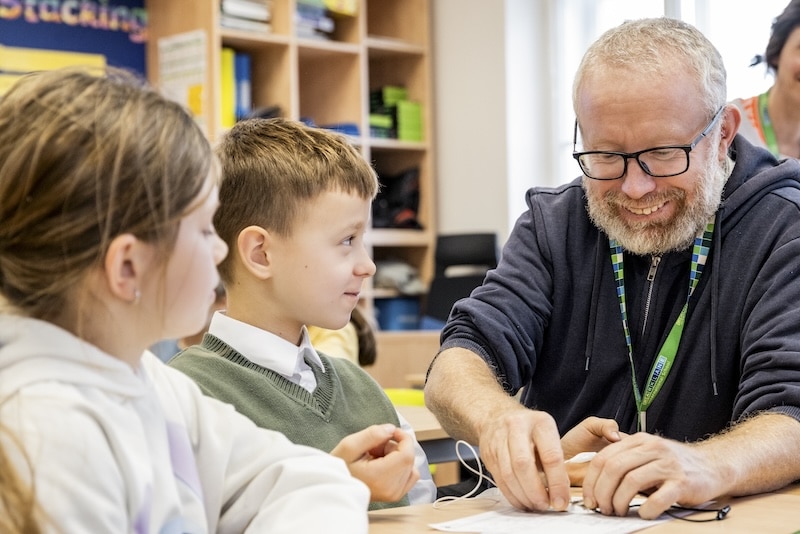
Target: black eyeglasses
column 698, row 515
column 659, row 162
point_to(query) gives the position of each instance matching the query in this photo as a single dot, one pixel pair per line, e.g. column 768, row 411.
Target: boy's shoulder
column 339, row 364
column 346, row 369
column 192, row 356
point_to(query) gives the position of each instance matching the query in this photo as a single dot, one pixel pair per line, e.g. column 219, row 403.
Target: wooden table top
column 776, row 512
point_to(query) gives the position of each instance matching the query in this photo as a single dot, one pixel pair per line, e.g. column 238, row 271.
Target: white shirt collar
column 265, row 348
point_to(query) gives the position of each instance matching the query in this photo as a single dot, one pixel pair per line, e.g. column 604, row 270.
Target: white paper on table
column 576, row 520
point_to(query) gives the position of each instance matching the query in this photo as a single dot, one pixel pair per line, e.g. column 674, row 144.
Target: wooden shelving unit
column 386, row 43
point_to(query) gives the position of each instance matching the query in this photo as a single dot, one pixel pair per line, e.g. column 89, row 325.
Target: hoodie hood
column 34, row 351
column 756, row 174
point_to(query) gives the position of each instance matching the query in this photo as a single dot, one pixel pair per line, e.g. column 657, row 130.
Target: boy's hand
column 382, row 457
column 591, row 434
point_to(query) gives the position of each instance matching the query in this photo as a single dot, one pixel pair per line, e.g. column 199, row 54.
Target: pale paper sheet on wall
column 182, row 67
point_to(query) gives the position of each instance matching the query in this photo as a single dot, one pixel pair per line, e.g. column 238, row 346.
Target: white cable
column 450, row 499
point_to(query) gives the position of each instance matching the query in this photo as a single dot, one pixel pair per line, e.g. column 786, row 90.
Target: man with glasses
column 649, row 311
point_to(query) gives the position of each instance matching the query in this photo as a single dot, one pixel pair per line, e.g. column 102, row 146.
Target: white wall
column 488, row 91
column 469, row 89
column 529, row 102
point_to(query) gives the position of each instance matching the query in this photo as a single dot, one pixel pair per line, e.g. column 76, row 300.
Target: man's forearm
column 757, row 455
column 463, row 392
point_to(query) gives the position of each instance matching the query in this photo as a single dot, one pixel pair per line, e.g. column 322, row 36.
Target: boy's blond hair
column 272, row 168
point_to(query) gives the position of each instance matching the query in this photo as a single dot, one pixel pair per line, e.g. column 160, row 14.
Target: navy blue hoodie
column 548, row 320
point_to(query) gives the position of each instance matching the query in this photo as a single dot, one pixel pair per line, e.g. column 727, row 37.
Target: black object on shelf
column 397, row 203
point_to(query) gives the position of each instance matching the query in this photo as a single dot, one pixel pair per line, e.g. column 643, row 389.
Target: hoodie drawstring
column 599, row 264
column 715, row 270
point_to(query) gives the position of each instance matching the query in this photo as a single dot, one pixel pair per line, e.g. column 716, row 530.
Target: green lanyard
column 766, row 124
column 662, row 365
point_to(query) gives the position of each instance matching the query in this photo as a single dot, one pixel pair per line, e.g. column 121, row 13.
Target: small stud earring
column 137, row 295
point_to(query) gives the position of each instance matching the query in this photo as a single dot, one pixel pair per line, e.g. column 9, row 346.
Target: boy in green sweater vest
column 294, row 206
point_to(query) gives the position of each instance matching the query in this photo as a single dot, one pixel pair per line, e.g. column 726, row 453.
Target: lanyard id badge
column 666, row 355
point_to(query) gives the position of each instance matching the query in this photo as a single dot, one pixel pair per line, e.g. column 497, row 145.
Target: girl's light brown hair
column 83, row 159
column 19, row 513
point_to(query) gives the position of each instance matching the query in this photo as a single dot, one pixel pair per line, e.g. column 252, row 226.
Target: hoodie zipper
column 651, row 275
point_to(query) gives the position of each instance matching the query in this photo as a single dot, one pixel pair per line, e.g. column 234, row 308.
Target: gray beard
column 659, row 238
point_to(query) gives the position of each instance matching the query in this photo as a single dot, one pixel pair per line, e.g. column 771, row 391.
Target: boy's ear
column 252, row 249
column 125, row 263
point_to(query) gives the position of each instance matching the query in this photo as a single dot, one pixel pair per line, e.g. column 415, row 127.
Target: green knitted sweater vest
column 345, row 400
